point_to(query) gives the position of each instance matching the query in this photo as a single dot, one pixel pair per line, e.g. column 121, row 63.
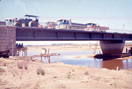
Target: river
column 68, row 57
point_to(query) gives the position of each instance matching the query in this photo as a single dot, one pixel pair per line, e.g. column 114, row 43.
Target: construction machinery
column 27, row 22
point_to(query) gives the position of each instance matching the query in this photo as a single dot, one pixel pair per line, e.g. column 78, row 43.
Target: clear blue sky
column 111, row 13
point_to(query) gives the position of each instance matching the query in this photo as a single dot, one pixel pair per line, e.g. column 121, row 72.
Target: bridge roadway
column 40, row 34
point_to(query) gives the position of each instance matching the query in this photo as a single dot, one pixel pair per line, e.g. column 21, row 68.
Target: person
column 22, row 45
column 36, row 20
column 126, row 50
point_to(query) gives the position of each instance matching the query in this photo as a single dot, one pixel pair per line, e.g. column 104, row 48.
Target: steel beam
column 39, row 34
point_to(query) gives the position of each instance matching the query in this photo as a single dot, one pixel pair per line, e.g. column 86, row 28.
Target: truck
column 27, row 22
column 67, row 24
column 95, row 27
column 49, row 25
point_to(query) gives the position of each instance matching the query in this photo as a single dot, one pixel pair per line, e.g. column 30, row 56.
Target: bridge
column 39, row 34
column 110, row 43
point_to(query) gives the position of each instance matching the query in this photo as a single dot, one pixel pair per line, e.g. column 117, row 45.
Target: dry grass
column 40, row 71
column 86, row 73
column 69, row 76
column 3, row 63
column 2, row 70
column 22, row 65
column 26, row 66
column 3, row 82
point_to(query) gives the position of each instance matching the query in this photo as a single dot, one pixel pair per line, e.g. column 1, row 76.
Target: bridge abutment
column 112, row 47
column 8, row 39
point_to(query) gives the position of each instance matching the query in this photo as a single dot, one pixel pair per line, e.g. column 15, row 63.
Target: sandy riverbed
column 60, row 76
column 16, row 73
column 74, row 47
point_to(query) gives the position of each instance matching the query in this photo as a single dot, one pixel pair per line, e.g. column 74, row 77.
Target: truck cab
column 9, row 21
column 95, row 27
column 62, row 24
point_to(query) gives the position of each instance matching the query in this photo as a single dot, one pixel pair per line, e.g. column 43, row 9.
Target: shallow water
column 67, row 57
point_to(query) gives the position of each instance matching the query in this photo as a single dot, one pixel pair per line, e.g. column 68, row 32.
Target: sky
column 116, row 14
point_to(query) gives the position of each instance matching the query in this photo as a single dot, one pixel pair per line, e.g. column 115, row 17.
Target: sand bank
column 20, row 74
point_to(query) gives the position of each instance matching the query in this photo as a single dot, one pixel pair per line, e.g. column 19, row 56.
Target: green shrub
column 86, row 73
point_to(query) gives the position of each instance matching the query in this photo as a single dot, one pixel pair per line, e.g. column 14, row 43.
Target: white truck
column 95, row 27
column 67, row 24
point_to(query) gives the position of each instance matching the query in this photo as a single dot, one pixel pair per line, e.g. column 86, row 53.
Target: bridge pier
column 112, row 47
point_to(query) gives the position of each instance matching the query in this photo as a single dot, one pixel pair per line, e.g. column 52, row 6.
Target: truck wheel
column 33, row 24
column 18, row 24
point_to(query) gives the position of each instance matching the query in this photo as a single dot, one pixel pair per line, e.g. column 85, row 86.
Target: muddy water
column 68, row 57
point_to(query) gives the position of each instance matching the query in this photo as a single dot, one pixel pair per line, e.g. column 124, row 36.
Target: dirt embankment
column 34, row 74
column 21, row 73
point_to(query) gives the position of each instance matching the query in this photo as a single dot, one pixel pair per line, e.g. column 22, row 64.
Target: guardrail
column 119, row 31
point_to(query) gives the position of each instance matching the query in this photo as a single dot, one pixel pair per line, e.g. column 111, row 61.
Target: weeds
column 72, row 70
column 69, row 75
column 86, row 73
column 115, row 84
column 40, row 71
column 2, row 63
column 26, row 66
column 2, row 70
column 20, row 65
column 98, row 78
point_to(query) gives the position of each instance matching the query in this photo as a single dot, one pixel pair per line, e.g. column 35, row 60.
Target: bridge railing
column 119, row 31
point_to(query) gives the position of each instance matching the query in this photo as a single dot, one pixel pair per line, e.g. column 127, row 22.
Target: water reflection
column 112, row 64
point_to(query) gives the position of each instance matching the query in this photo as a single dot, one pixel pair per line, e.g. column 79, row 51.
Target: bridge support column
column 112, row 47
